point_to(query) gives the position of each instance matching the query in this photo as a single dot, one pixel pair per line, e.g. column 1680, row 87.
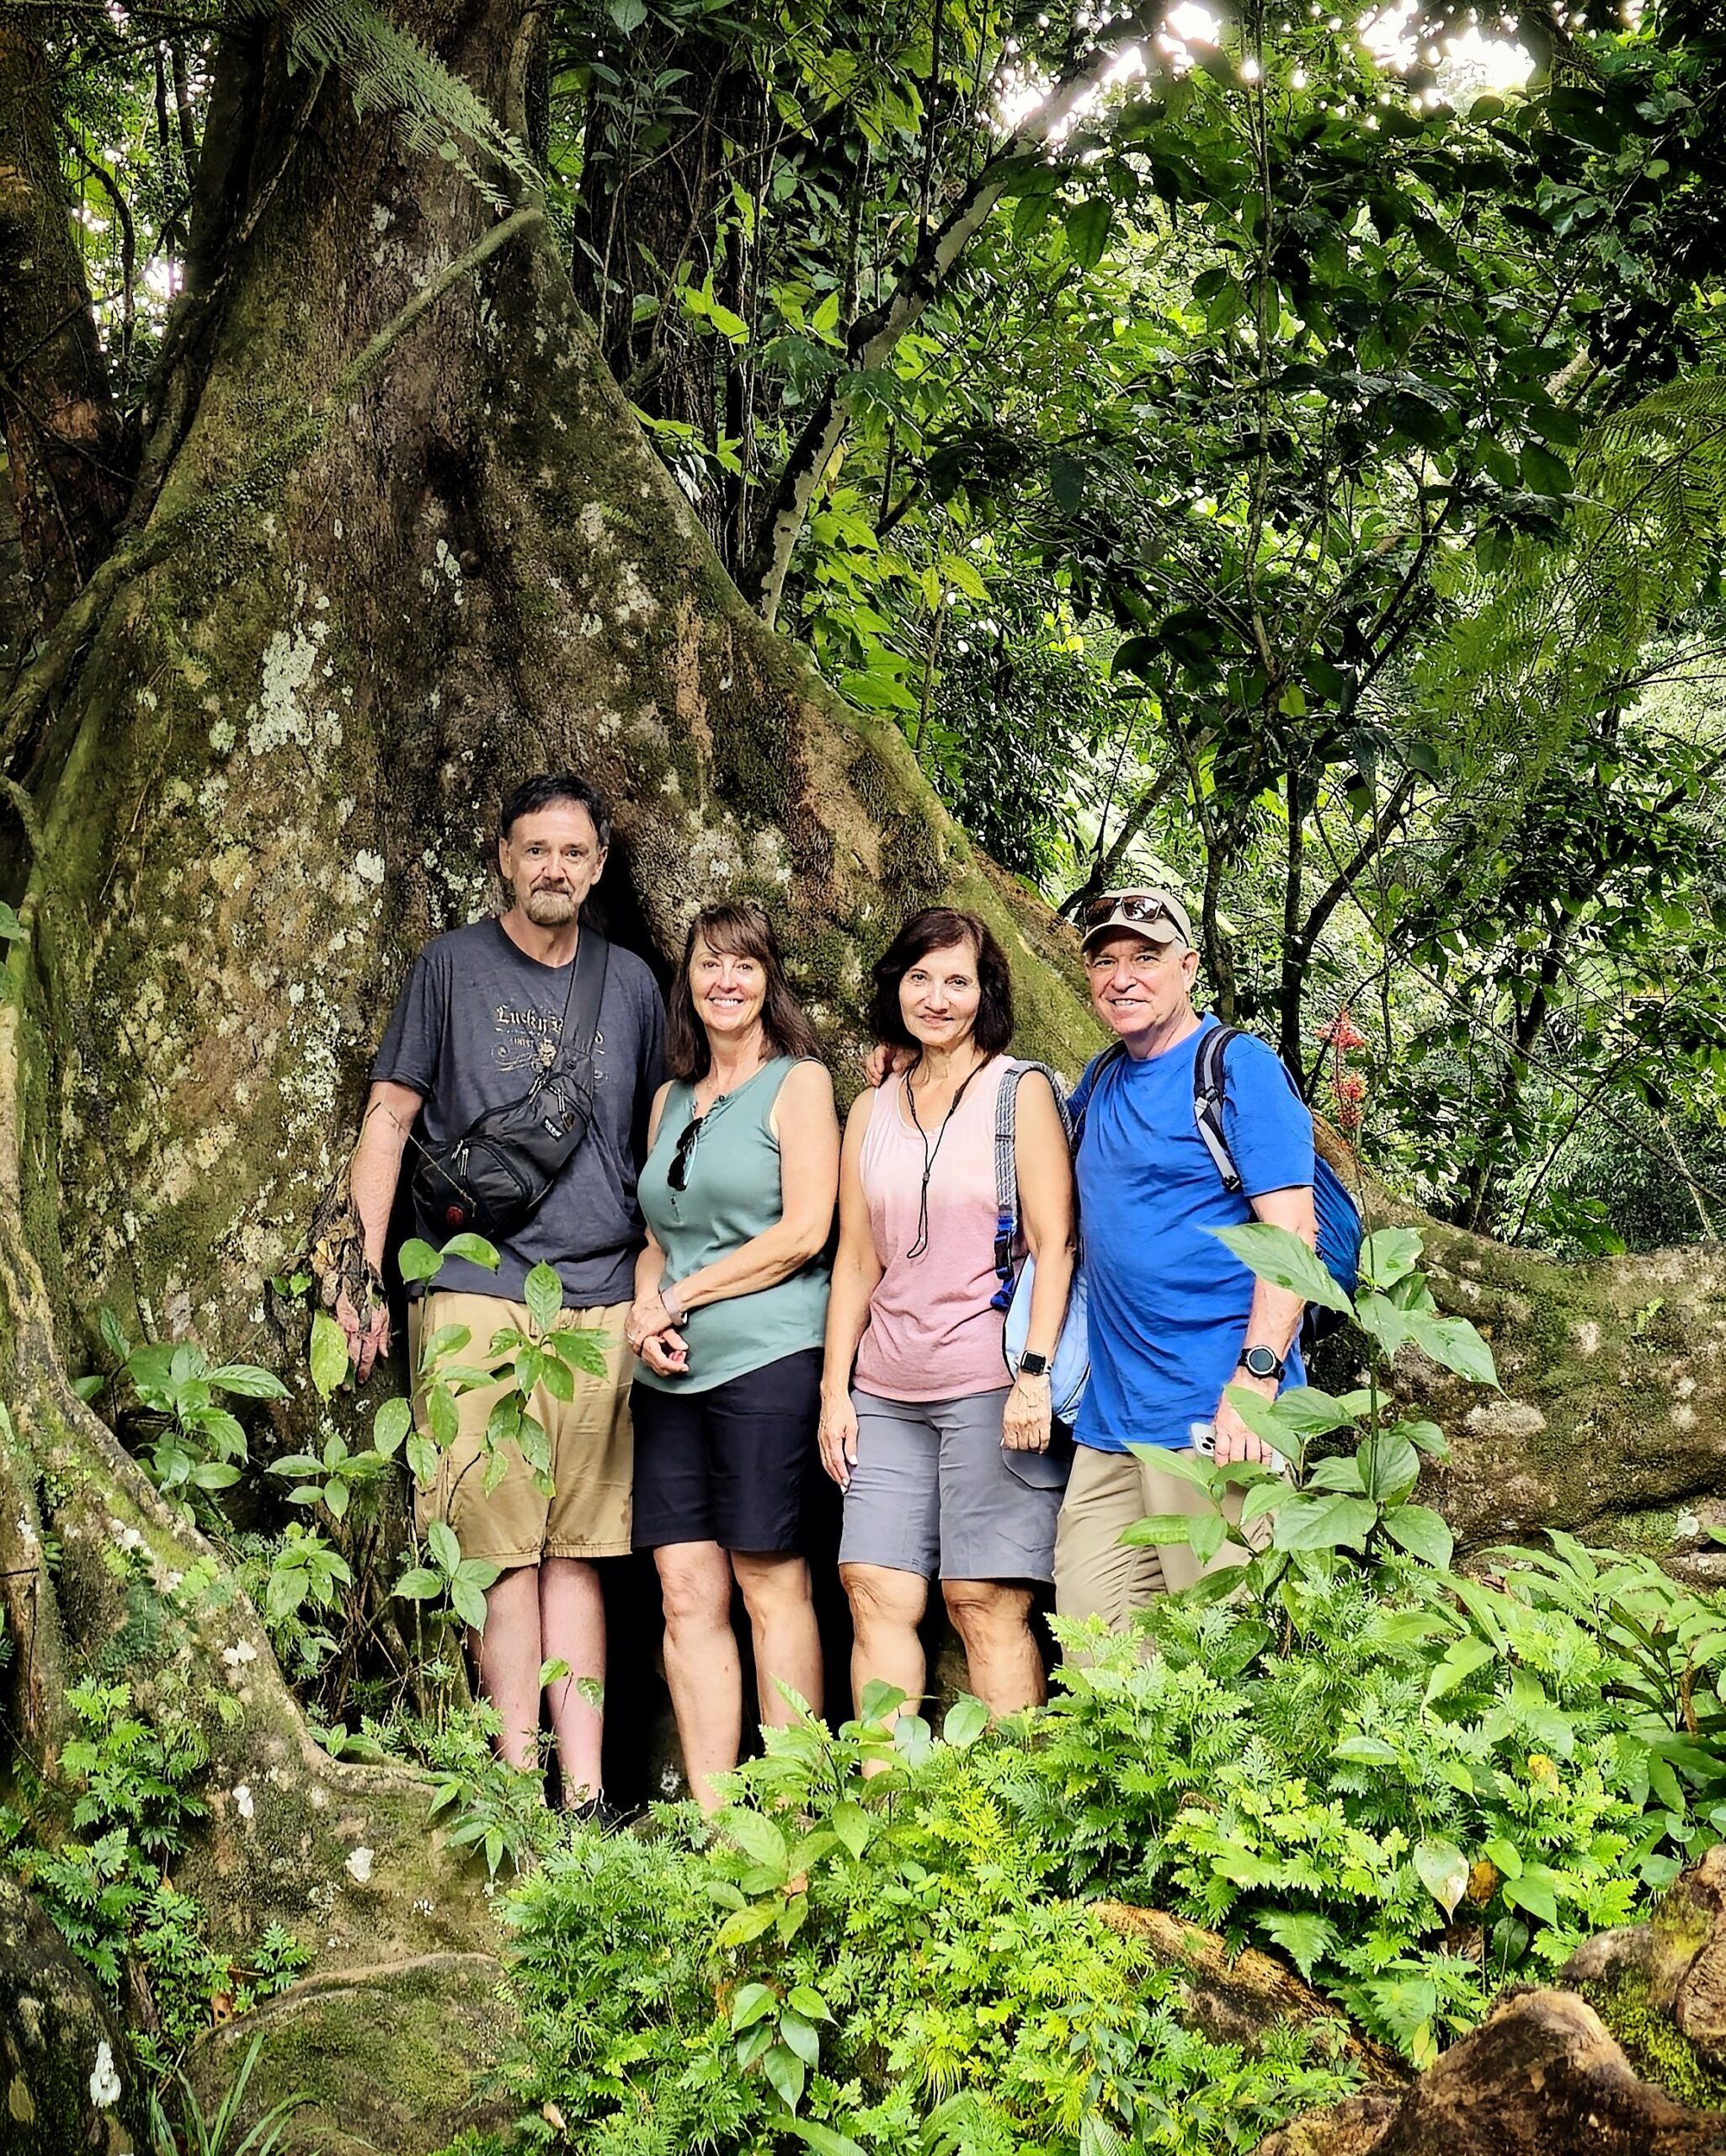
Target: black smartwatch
column 1263, row 1363
column 1033, row 1366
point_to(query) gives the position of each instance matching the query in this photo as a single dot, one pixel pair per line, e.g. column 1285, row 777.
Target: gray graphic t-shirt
column 475, row 1020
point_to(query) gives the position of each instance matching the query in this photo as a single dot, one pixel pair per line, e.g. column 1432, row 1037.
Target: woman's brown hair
column 741, row 928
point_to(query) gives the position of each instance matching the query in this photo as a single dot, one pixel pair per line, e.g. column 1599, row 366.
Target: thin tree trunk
column 64, row 458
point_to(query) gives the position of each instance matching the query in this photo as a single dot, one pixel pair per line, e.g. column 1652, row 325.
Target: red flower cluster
column 1339, row 1036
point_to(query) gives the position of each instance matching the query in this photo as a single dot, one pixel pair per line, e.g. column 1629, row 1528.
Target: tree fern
column 1538, row 648
column 387, row 70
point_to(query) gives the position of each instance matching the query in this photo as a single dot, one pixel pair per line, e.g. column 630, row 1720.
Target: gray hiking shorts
column 934, row 1491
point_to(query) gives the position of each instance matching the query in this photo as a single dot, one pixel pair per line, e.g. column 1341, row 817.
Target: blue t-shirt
column 1168, row 1304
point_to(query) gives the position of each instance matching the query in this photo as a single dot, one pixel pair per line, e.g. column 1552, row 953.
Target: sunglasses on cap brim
column 1128, row 909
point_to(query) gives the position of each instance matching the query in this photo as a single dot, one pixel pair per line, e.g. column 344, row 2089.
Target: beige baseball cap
column 1156, row 914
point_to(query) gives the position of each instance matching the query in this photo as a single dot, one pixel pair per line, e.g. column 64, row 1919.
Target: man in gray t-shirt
column 482, row 1012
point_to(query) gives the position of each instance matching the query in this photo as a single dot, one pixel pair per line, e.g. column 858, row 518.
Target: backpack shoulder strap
column 1208, row 1082
column 1086, row 1090
column 1007, row 1169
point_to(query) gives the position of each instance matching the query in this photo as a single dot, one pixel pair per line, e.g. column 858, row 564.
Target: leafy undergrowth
column 1415, row 1788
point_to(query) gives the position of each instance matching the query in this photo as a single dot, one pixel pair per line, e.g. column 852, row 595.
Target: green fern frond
column 1535, row 649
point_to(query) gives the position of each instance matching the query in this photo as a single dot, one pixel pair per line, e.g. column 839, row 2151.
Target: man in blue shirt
column 1174, row 1316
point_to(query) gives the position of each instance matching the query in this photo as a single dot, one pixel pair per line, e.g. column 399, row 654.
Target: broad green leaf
column 1387, row 1254
column 390, row 1424
column 328, row 1354
column 966, row 1719
column 442, row 1415
column 628, row 15
column 580, row 1347
column 1422, row 1532
column 824, row 2140
column 248, row 1381
column 757, row 1836
column 418, row 1582
column 1381, row 1320
column 542, row 1291
column 1459, row 1663
column 1443, row 1871
column 469, row 1604
column 1454, row 1343
column 1190, row 1467
column 114, row 1337
column 422, row 1456
column 753, row 2002
column 1372, row 1749
column 215, row 1475
column 1390, row 1466
column 446, row 1550
column 797, row 2035
column 1279, row 1256
column 1087, row 225
column 12, row 929
column 1209, row 1532
column 808, row 2003
column 787, row 2072
column 851, row 1823
column 1325, row 1523
column 553, row 1671
column 475, row 1250
column 1534, row 1892
column 1159, row 1530
column 418, row 1260
column 1311, row 1413
column 880, row 1701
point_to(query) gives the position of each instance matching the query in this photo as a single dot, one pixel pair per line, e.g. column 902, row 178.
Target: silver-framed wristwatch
column 1032, row 1365
column 1263, row 1363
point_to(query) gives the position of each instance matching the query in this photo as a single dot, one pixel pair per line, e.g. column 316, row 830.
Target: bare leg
column 507, row 1656
column 995, row 1622
column 782, row 1619
column 886, row 1608
column 701, row 1663
column 573, row 1630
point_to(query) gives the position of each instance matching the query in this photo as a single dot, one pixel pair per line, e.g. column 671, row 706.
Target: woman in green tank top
column 738, row 1191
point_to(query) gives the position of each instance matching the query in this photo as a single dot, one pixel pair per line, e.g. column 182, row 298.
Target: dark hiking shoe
column 594, row 1812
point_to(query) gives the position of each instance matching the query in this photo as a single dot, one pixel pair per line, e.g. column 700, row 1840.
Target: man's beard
column 550, row 909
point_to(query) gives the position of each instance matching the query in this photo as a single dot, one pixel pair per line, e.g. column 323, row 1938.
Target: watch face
column 1261, row 1363
column 1033, row 1366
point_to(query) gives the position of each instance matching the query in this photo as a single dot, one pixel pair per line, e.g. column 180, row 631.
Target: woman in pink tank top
column 945, row 1457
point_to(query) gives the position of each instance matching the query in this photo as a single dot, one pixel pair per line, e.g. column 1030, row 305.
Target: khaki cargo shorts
column 593, row 1444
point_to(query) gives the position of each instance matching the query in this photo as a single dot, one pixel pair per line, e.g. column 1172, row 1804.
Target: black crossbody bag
column 494, row 1177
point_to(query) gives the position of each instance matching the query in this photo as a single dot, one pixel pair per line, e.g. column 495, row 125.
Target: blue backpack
column 1339, row 1217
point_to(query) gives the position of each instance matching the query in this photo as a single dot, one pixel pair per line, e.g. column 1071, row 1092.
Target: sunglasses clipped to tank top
column 493, row 1177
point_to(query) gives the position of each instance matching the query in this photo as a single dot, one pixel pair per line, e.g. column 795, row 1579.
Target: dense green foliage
column 1416, row 1790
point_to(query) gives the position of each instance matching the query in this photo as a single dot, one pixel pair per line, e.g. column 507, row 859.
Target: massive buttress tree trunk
column 396, row 541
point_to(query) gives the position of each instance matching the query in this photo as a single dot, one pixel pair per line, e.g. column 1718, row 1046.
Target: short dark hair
column 535, row 793
column 741, row 927
column 935, row 929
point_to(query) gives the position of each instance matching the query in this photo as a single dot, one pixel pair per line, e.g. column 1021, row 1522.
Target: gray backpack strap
column 1007, row 1167
column 1207, row 1095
